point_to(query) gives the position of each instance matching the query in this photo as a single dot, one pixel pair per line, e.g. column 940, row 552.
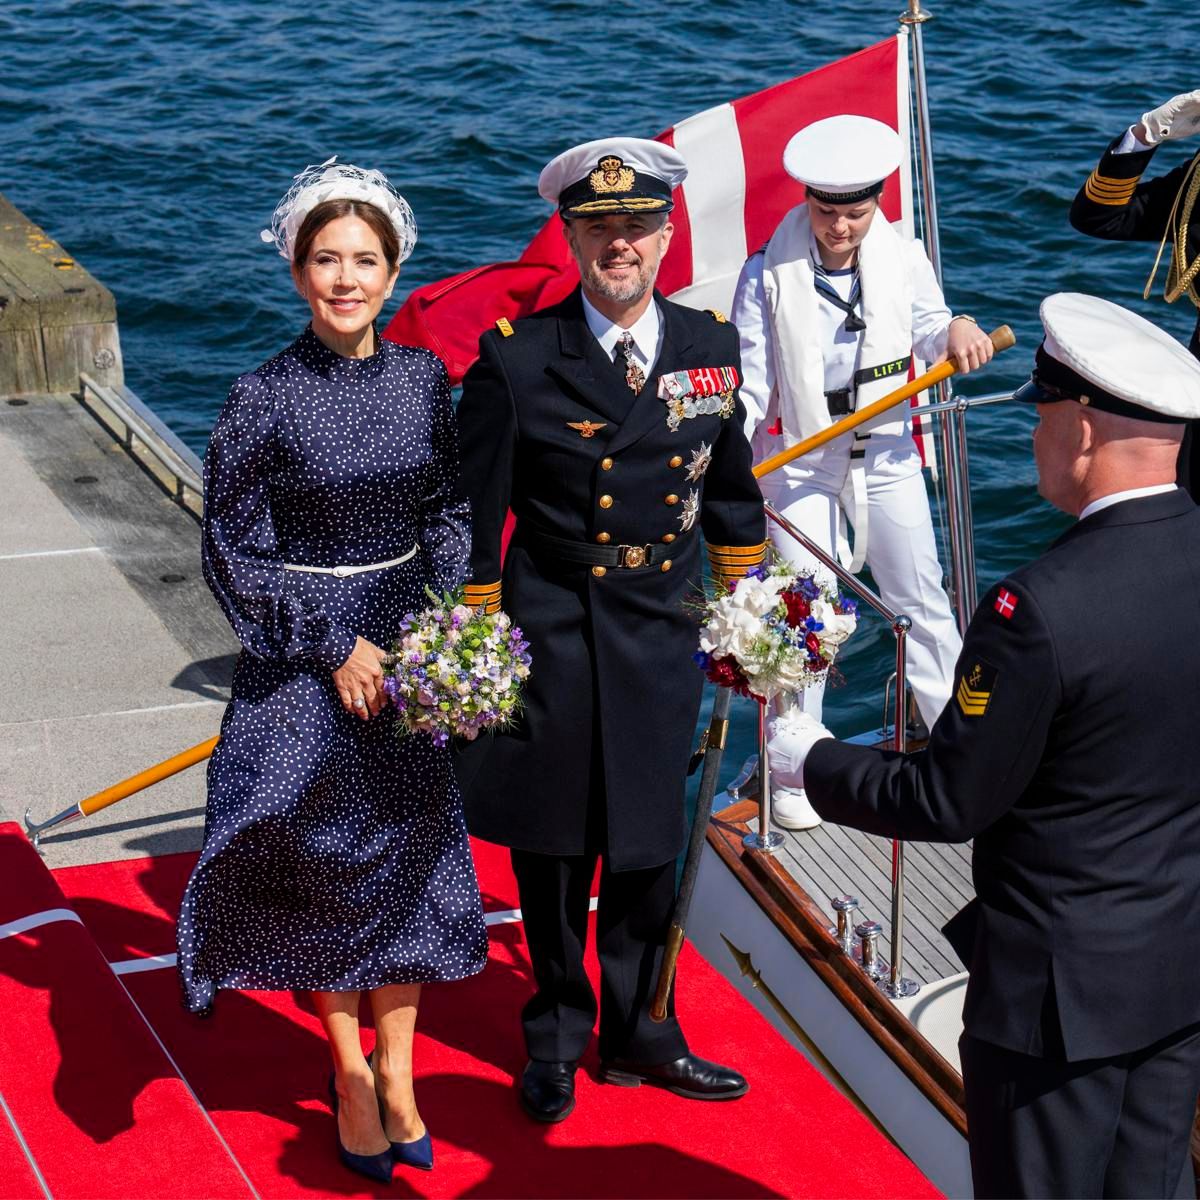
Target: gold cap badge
column 611, row 175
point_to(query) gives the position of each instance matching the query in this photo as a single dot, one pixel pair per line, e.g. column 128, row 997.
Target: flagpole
column 953, row 423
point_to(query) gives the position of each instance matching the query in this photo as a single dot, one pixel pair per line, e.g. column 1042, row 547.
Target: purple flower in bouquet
column 455, row 671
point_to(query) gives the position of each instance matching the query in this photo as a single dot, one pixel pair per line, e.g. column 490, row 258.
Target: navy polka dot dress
column 335, row 853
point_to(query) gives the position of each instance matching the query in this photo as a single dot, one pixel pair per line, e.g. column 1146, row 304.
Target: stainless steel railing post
column 895, row 984
column 765, row 839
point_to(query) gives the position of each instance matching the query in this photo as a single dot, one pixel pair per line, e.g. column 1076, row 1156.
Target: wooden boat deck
column 833, row 861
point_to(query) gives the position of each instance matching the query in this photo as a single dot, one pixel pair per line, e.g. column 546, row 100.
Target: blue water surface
column 153, row 138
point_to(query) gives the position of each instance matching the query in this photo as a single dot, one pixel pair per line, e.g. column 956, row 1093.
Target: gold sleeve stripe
column 1111, row 190
column 736, row 555
column 1102, row 189
column 485, row 596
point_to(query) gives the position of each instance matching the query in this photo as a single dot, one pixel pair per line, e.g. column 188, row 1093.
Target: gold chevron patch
column 975, row 689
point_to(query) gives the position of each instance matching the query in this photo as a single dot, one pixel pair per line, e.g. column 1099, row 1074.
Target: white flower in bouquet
column 776, row 631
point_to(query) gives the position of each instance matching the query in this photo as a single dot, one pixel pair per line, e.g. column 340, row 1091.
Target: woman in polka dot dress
column 335, row 854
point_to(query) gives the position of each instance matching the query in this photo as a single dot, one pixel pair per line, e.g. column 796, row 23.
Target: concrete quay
column 113, row 654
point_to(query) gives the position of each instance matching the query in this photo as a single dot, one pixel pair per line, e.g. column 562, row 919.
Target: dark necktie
column 821, row 282
column 635, row 377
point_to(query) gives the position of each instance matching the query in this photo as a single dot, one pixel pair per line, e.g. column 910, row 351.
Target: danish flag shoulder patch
column 1006, row 603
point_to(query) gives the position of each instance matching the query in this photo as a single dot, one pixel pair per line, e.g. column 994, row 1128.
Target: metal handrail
column 177, row 460
column 961, row 403
column 896, row 984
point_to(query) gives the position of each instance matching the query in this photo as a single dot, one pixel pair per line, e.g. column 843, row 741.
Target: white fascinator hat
column 332, row 180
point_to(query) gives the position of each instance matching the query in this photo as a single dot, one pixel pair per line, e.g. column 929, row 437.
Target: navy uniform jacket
column 598, row 759
column 1115, row 203
column 1070, row 752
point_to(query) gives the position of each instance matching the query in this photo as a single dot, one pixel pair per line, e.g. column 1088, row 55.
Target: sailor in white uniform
column 830, row 313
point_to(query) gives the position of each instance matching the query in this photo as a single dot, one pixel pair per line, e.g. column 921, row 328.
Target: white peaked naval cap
column 613, row 175
column 1102, row 355
column 843, row 159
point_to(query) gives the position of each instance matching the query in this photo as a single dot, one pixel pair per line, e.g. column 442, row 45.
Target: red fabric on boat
column 99, row 1105
column 260, row 1067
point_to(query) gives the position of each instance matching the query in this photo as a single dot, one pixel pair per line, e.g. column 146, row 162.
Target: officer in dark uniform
column 610, row 425
column 1069, row 752
column 1115, row 203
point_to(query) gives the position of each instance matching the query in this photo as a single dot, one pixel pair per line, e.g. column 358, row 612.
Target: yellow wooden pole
column 148, row 777
column 1002, row 339
column 119, row 791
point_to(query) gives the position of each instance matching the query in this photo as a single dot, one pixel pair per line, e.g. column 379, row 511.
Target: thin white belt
column 342, row 572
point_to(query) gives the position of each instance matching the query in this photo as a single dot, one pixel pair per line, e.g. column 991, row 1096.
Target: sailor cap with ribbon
column 843, row 160
column 613, row 175
column 1104, row 356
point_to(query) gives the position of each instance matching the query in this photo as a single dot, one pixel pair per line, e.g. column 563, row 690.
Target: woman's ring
column 359, row 702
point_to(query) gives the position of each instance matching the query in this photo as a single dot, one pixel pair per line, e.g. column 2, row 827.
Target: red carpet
column 260, row 1065
column 102, row 1110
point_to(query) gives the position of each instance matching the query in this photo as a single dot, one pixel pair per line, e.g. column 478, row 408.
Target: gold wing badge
column 587, row 429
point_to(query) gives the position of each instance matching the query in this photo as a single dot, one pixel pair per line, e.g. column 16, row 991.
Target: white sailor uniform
column 811, row 490
column 799, row 362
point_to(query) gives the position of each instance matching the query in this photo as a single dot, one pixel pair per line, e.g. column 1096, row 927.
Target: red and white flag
column 735, row 195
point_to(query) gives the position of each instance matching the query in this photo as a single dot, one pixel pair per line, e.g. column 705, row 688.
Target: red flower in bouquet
column 725, row 672
column 797, row 608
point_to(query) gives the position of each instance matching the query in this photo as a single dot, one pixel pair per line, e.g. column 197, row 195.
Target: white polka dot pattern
column 335, row 854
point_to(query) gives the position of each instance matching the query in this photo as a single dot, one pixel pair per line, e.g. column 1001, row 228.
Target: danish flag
column 1006, row 604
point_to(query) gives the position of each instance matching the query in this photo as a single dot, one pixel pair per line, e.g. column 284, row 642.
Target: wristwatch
column 963, row 317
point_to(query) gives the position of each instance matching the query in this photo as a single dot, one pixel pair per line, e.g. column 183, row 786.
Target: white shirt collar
column 646, row 330
column 1156, row 489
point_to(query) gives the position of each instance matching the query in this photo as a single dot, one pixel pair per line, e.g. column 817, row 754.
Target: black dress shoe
column 548, row 1090
column 690, row 1076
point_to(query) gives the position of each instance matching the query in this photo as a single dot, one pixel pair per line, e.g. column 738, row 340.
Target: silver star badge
column 700, row 462
column 690, row 511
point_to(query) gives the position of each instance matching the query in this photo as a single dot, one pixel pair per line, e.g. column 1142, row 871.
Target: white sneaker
column 791, row 809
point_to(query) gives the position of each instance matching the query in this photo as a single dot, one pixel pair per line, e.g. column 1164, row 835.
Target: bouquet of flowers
column 454, row 671
column 777, row 630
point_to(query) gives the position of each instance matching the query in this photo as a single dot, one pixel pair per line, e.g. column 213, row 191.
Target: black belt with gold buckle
column 652, row 554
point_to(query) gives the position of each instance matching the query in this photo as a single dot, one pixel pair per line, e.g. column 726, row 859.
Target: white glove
column 790, row 738
column 1179, row 117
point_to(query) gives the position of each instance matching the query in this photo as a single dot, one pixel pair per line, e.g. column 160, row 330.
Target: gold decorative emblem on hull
column 587, row 429
column 611, row 175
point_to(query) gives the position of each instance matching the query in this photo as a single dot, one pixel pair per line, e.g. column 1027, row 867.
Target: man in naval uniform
column 1069, row 753
column 1115, row 203
column 610, row 425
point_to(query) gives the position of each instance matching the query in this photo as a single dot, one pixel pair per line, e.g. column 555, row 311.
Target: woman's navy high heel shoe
column 417, row 1154
column 373, row 1166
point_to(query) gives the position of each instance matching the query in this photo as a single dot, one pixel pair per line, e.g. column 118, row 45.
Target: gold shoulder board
column 717, row 316
column 505, row 326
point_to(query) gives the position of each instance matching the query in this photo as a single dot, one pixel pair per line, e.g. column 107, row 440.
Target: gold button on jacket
column 606, row 502
column 671, row 499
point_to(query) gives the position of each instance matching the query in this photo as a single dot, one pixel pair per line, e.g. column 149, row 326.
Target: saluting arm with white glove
column 1178, row 118
column 1115, row 202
